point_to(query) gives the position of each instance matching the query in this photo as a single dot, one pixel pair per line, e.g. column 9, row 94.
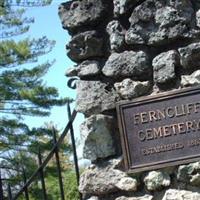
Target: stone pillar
column 125, row 49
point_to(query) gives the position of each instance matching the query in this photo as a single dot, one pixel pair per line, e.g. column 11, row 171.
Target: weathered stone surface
column 72, row 71
column 89, row 68
column 198, row 18
column 191, row 80
column 132, row 37
column 122, row 6
column 155, row 180
column 157, row 22
column 164, row 66
column 94, row 97
column 85, row 45
column 127, row 184
column 117, row 33
column 145, row 197
column 96, row 135
column 173, row 194
column 93, row 198
column 76, row 14
column 101, row 179
column 190, row 56
column 128, row 64
column 195, row 180
column 86, row 69
column 189, row 173
column 128, row 89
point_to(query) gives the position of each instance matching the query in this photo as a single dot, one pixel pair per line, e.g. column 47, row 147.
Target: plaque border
column 123, row 134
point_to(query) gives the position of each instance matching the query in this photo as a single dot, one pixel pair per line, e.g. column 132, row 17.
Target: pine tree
column 22, row 91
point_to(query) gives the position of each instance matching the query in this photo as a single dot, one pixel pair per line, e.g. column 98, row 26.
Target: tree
column 30, row 164
column 22, row 91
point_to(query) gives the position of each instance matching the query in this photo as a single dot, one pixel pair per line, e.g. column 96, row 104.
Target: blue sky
column 47, row 23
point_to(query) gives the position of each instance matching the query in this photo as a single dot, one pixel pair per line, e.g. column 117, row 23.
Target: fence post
column 74, row 147
column 58, row 166
column 26, row 189
column 9, row 192
column 42, row 175
column 1, row 188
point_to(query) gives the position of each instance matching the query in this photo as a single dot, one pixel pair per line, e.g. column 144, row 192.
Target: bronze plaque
column 160, row 130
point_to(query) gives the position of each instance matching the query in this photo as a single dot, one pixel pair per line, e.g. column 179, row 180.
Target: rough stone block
column 97, row 134
column 155, row 180
column 189, row 173
column 89, row 68
column 128, row 64
column 190, row 56
column 94, row 97
column 93, row 198
column 86, row 45
column 181, row 194
column 191, row 80
column 123, row 6
column 157, row 22
column 198, row 18
column 129, row 89
column 102, row 180
column 164, row 66
column 117, row 34
column 127, row 184
column 76, row 14
column 72, row 71
column 145, row 197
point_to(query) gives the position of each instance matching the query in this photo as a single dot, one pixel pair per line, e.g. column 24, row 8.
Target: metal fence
column 39, row 173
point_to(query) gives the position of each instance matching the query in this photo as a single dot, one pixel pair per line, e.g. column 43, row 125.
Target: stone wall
column 125, row 49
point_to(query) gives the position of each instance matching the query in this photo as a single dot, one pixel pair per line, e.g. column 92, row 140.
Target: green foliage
column 27, row 159
column 70, row 185
column 53, row 190
column 13, row 54
column 12, row 20
column 24, row 93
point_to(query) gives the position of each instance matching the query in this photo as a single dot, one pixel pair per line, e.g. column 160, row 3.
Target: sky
column 47, row 23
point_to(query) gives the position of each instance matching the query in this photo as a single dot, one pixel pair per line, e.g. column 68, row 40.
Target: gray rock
column 94, row 97
column 117, row 33
column 76, row 14
column 122, row 6
column 96, row 135
column 156, row 22
column 145, row 197
column 93, row 198
column 190, row 56
column 72, row 71
column 133, row 38
column 155, row 180
column 191, row 80
column 164, row 66
column 198, row 18
column 127, row 184
column 128, row 64
column 189, row 173
column 195, row 180
column 181, row 195
column 128, row 89
column 101, row 179
column 85, row 45
column 88, row 68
